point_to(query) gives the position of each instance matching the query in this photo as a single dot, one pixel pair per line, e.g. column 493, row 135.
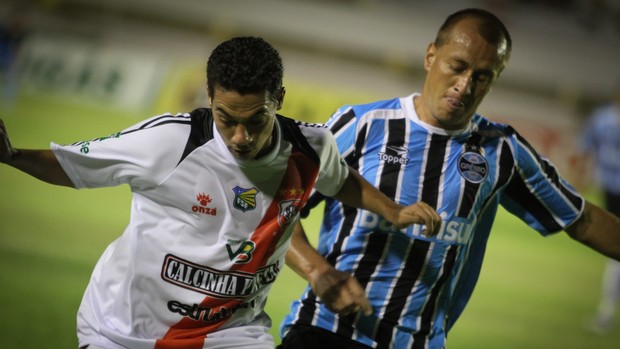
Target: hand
column 419, row 213
column 340, row 292
column 6, row 150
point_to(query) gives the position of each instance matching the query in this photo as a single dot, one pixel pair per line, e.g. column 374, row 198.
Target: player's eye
column 227, row 122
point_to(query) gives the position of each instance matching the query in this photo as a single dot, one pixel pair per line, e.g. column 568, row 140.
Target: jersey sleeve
column 537, row 194
column 334, row 170
column 343, row 124
column 141, row 156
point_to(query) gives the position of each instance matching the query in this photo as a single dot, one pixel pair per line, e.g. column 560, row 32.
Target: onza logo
column 204, row 200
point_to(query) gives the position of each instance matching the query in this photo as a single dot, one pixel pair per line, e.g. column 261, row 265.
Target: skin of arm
column 597, row 229
column 339, row 291
column 41, row 164
column 357, row 192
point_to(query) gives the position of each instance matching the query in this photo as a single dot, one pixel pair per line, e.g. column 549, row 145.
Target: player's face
column 245, row 122
column 459, row 75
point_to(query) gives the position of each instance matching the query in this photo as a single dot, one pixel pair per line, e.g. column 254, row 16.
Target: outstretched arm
column 597, row 229
column 41, row 164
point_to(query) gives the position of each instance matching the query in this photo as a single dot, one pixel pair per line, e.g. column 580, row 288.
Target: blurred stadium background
column 87, row 68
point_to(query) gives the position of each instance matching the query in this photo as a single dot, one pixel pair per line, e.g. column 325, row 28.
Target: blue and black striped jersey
column 418, row 286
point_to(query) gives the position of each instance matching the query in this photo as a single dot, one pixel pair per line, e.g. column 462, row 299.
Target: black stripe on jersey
column 432, row 172
column 550, row 172
column 201, row 131
column 376, row 246
column 154, row 122
column 470, row 190
column 343, row 120
column 505, row 167
column 292, row 133
column 391, row 171
column 419, row 339
column 376, row 243
column 414, row 264
column 312, row 202
column 521, row 194
column 353, row 158
column 161, row 120
column 167, row 119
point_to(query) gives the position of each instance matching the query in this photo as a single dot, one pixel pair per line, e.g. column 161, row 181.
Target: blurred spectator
column 601, row 140
column 595, row 15
column 13, row 31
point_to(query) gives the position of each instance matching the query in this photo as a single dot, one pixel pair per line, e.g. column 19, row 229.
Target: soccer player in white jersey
column 215, row 194
column 433, row 147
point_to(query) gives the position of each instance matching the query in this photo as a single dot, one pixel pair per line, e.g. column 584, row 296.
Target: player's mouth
column 242, row 153
column 455, row 104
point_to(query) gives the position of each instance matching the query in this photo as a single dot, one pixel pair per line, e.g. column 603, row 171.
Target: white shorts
column 243, row 337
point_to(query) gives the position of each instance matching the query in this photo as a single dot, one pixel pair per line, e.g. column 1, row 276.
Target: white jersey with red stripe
column 207, row 233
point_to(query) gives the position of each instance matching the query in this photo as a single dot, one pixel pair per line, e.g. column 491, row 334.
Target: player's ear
column 209, row 97
column 429, row 58
column 280, row 98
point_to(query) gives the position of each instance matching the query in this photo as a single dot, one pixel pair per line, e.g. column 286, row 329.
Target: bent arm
column 598, row 229
column 41, row 164
column 357, row 192
column 339, row 291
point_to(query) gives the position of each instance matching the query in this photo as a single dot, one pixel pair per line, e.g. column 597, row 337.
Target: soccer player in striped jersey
column 430, row 146
column 601, row 141
column 215, row 194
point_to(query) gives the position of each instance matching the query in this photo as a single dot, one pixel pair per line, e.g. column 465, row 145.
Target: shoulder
column 359, row 114
column 166, row 124
column 376, row 106
column 490, row 129
column 164, row 119
column 295, row 128
column 309, row 138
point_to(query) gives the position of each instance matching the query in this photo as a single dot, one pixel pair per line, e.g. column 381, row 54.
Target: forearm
column 599, row 230
column 303, row 258
column 357, row 192
column 41, row 164
column 339, row 291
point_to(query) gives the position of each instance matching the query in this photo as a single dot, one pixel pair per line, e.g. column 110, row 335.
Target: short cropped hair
column 490, row 27
column 245, row 65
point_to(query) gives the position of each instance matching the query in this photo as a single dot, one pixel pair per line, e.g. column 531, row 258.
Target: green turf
column 534, row 292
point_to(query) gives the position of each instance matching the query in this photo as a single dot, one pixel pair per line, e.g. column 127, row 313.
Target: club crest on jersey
column 289, row 207
column 288, row 210
column 203, row 200
column 473, row 167
column 245, row 199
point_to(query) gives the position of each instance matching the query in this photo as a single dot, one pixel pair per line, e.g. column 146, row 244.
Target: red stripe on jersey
column 292, row 194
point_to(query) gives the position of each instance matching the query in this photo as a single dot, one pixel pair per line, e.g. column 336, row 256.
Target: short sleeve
column 537, row 194
column 334, row 170
column 141, row 156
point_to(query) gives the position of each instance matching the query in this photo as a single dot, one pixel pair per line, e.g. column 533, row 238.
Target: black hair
column 245, row 65
column 490, row 27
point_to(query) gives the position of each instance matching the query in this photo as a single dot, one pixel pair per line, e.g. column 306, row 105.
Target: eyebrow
column 489, row 72
column 228, row 116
